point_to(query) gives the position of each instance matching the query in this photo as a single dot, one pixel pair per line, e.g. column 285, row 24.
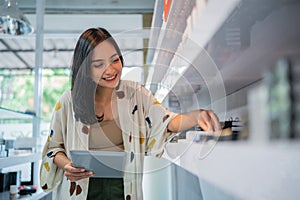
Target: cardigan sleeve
column 157, row 118
column 51, row 175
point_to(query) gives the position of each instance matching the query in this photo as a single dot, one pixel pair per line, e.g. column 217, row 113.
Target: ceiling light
column 12, row 20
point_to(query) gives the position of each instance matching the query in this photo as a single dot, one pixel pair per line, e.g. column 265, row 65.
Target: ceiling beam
column 90, row 11
column 15, row 53
column 90, row 6
column 55, row 50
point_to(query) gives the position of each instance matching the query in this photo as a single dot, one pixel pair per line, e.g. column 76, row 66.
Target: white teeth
column 110, row 78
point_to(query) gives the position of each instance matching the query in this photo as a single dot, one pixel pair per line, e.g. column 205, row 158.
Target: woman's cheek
column 96, row 75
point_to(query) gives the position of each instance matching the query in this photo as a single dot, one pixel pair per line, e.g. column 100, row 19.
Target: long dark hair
column 83, row 88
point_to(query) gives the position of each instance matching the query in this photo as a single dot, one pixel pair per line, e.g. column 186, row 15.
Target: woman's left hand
column 209, row 121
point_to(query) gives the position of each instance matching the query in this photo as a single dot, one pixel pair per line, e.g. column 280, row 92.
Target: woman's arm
column 206, row 119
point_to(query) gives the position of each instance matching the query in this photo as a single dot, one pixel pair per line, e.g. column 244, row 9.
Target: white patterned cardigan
column 143, row 121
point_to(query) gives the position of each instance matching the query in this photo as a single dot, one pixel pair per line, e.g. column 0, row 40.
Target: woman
column 102, row 112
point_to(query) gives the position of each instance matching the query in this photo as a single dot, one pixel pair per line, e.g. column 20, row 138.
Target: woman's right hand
column 75, row 174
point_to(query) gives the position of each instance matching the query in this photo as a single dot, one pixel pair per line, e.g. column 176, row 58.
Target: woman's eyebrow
column 114, row 55
column 98, row 60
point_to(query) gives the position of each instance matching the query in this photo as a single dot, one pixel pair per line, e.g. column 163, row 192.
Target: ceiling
column 64, row 21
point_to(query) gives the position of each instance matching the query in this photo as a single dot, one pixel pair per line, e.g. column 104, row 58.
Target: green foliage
column 53, row 88
column 17, row 91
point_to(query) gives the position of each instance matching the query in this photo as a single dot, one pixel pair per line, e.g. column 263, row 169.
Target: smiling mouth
column 110, row 78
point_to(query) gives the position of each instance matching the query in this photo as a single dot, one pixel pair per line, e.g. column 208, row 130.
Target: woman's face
column 106, row 65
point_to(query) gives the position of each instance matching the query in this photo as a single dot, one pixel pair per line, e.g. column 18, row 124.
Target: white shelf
column 16, row 160
column 19, row 159
column 244, row 170
column 7, row 114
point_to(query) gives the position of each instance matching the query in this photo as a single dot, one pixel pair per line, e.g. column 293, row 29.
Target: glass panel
column 17, row 98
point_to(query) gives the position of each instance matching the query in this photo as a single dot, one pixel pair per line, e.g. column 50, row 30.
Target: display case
column 213, row 54
column 22, row 152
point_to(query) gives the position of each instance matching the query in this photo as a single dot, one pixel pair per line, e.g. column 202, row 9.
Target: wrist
column 61, row 160
column 198, row 116
column 66, row 165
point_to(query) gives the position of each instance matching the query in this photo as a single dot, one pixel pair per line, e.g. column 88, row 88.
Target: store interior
column 239, row 58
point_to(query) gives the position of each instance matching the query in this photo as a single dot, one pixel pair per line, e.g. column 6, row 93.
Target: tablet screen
column 104, row 164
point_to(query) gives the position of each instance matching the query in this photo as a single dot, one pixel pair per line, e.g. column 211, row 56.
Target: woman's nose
column 109, row 67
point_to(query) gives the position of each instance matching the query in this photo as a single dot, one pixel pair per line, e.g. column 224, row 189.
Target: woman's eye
column 116, row 60
column 99, row 65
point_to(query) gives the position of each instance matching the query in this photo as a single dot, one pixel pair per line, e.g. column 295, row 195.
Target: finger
column 79, row 176
column 216, row 126
column 209, row 126
column 202, row 125
column 205, row 121
column 74, row 169
column 77, row 170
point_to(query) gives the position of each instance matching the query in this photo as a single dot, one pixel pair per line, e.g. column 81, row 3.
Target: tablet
column 104, row 164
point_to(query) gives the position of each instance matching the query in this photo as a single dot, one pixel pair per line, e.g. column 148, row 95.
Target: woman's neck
column 105, row 103
column 104, row 95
